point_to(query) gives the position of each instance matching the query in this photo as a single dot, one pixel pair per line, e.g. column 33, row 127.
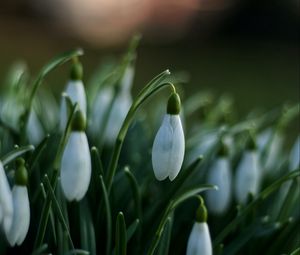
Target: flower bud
column 76, row 72
column 169, row 145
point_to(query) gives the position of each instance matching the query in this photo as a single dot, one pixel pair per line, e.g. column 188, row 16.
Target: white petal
column 199, row 242
column 75, row 90
column 117, row 116
column 6, row 200
column 34, row 129
column 168, row 148
column 1, row 214
column 247, row 176
column 99, row 109
column 295, row 155
column 76, row 167
column 218, row 200
column 271, row 162
column 21, row 216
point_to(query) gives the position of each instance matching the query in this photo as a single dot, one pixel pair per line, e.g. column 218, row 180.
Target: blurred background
column 247, row 48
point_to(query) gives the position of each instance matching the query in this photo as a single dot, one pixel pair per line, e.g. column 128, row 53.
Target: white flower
column 220, row 175
column 247, row 179
column 168, row 148
column 199, row 242
column 294, row 160
column 272, row 141
column 76, row 166
column 21, row 216
column 6, row 201
column 119, row 110
column 75, row 90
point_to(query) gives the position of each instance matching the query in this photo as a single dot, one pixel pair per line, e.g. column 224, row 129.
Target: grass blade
column 121, row 239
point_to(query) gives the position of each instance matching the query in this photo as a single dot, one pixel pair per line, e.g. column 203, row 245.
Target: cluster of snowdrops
column 97, row 173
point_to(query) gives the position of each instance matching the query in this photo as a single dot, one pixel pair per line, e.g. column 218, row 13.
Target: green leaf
column 262, row 196
column 121, row 239
column 164, row 244
column 96, row 160
column 51, row 214
column 87, row 231
column 136, row 192
column 296, row 252
column 108, row 216
column 132, row 229
column 40, row 250
column 58, row 210
column 18, row 152
column 37, row 153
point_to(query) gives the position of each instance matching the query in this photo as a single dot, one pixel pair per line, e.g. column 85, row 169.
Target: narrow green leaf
column 18, row 152
column 40, row 250
column 37, row 153
column 131, row 229
column 87, row 232
column 164, row 244
column 290, row 200
column 97, row 162
column 108, row 216
column 58, row 209
column 51, row 214
column 136, row 192
column 296, row 252
column 121, row 239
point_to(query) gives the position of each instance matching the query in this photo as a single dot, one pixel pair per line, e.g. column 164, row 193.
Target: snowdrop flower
column 294, row 160
column 34, row 129
column 76, row 161
column 199, row 242
column 168, row 146
column 119, row 110
column 6, row 201
column 220, row 175
column 75, row 90
column 247, row 179
column 21, row 214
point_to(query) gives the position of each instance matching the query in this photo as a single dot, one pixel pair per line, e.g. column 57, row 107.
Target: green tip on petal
column 21, row 176
column 174, row 104
column 251, row 142
column 76, row 73
column 79, row 122
column 201, row 214
column 223, row 149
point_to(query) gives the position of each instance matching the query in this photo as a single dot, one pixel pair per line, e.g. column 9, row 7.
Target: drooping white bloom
column 6, row 201
column 247, row 179
column 168, row 148
column 120, row 107
column 76, row 166
column 220, row 175
column 75, row 90
column 272, row 141
column 294, row 160
column 199, row 242
column 21, row 216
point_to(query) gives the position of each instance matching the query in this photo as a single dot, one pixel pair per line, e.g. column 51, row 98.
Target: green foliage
column 126, row 210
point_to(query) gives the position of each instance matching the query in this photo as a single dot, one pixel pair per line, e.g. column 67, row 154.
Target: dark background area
column 249, row 49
